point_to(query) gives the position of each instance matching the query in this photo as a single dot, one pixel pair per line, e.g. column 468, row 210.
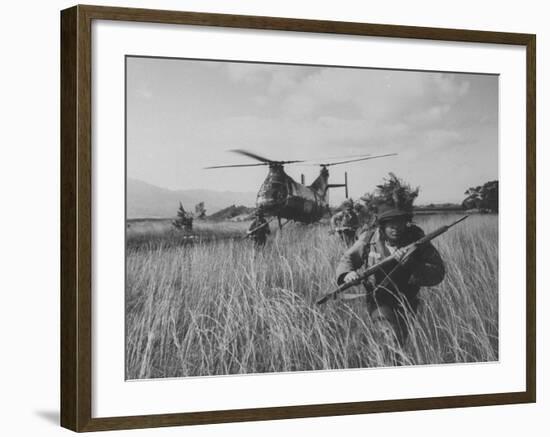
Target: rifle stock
column 371, row 270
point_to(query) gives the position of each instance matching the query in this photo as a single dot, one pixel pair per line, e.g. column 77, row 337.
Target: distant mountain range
column 144, row 200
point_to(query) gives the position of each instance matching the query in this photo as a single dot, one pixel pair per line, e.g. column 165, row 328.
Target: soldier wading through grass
column 259, row 229
column 392, row 293
column 345, row 222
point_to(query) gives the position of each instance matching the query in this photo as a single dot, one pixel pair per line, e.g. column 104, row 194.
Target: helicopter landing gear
column 281, row 225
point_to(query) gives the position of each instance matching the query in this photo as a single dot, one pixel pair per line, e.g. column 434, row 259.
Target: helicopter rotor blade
column 288, row 162
column 358, row 159
column 252, row 155
column 323, row 161
column 236, row 165
column 262, row 158
column 330, row 158
column 265, row 161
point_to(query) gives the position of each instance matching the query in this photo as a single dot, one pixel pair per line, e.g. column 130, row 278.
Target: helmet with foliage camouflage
column 347, row 204
column 394, row 199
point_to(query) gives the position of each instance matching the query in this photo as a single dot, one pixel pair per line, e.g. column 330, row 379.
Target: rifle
column 344, row 228
column 389, row 260
column 250, row 232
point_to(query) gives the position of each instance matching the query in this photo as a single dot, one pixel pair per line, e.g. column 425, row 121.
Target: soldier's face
column 395, row 228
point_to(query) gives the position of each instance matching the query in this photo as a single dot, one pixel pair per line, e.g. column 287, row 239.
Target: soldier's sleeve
column 427, row 267
column 351, row 260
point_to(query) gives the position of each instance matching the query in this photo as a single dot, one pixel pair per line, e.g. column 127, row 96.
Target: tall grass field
column 213, row 304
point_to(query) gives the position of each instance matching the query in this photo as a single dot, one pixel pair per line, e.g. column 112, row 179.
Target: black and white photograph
column 291, row 218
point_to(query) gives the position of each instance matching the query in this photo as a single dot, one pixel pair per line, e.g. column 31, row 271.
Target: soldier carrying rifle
column 259, row 229
column 392, row 291
column 345, row 222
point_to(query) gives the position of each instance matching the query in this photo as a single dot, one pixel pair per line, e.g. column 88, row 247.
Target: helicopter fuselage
column 283, row 197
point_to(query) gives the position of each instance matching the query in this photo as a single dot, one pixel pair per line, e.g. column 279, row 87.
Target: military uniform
column 345, row 223
column 257, row 232
column 392, row 293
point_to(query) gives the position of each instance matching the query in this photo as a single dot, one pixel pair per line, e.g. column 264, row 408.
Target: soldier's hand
column 351, row 276
column 400, row 254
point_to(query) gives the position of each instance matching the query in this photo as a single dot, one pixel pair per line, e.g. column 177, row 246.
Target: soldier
column 345, row 222
column 366, row 214
column 392, row 293
column 259, row 229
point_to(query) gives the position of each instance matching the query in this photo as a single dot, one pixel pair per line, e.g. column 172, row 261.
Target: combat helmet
column 394, row 198
column 346, row 204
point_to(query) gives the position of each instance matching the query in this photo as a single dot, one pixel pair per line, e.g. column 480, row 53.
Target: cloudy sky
column 183, row 115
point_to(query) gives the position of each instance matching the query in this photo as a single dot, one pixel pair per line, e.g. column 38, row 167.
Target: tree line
column 483, row 197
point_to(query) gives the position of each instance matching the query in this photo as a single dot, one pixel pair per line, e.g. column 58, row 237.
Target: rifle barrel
column 251, row 231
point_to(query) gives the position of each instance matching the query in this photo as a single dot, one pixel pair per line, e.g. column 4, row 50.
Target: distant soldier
column 392, row 293
column 366, row 214
column 345, row 222
column 184, row 220
column 259, row 229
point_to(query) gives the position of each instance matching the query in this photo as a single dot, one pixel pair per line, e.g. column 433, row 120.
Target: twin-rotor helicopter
column 281, row 196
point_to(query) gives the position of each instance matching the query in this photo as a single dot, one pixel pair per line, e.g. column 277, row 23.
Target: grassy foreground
column 217, row 307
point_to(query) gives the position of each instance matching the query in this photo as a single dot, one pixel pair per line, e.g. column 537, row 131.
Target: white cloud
column 247, row 72
column 430, row 115
column 448, row 87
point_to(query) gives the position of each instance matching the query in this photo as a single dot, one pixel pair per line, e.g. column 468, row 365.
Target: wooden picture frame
column 76, row 217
